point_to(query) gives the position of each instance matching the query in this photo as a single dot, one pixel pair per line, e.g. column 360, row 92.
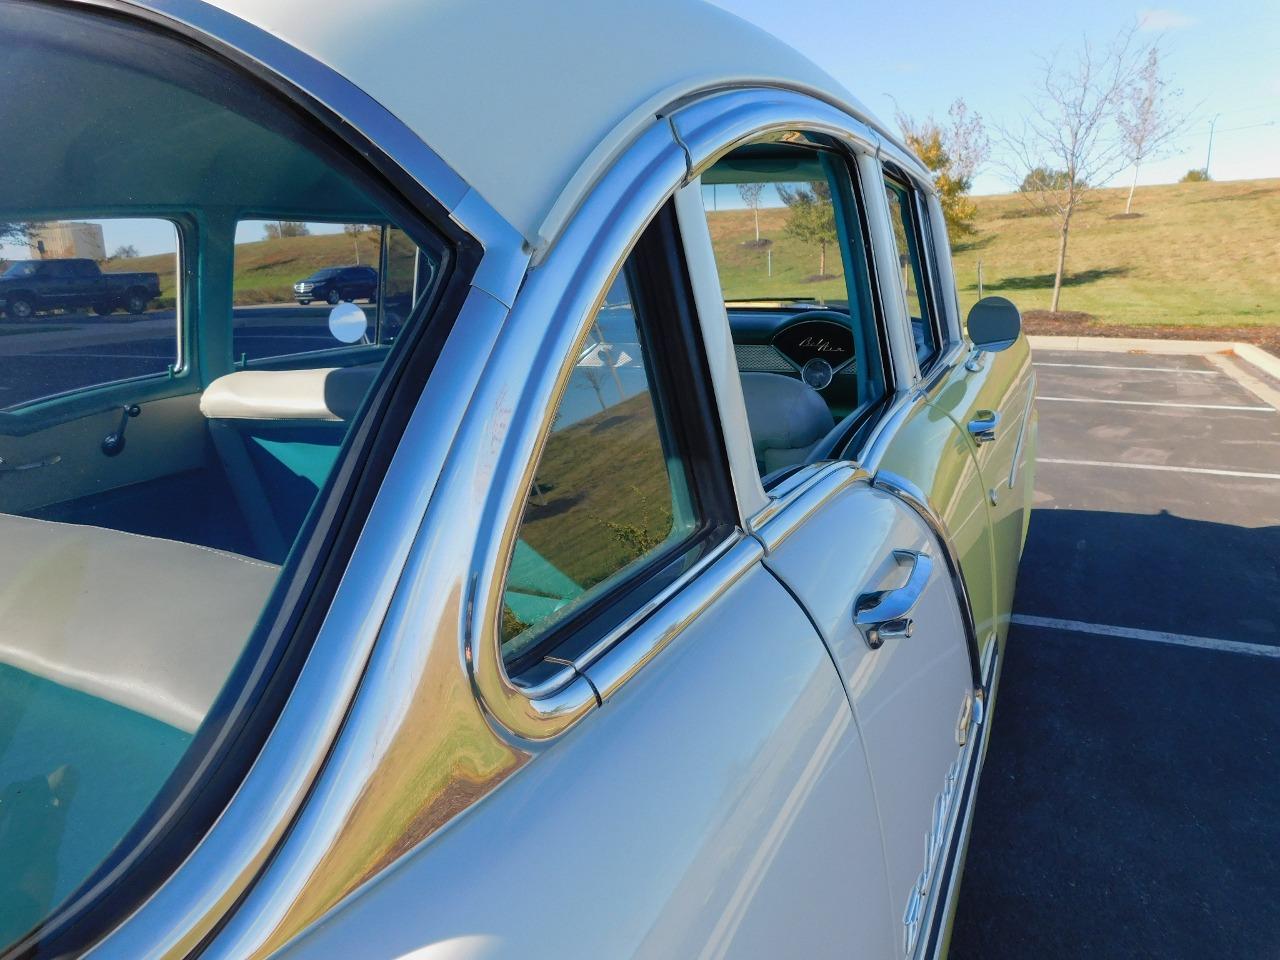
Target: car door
column 873, row 574
column 86, row 282
column 921, row 442
column 973, row 418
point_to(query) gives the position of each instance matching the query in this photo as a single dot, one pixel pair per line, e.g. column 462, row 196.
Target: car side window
column 87, row 302
column 159, row 540
column 792, row 255
column 290, row 275
column 621, row 501
column 912, row 273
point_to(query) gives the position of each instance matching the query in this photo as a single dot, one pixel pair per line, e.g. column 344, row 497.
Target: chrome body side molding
column 926, row 923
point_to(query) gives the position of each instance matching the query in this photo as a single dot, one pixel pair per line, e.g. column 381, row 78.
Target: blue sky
column 1224, row 54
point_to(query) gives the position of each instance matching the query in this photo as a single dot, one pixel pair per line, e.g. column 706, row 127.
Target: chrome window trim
column 536, row 356
column 633, row 652
column 814, row 483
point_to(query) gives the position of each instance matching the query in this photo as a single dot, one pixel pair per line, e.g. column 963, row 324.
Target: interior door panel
column 65, row 461
column 909, row 694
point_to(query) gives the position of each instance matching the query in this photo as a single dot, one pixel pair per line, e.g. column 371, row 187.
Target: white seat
column 152, row 625
column 787, row 418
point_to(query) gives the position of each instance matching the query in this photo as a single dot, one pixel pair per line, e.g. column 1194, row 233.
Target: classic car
column 334, row 284
column 28, row 287
column 643, row 596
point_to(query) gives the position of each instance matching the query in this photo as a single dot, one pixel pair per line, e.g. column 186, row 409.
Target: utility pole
column 1209, row 152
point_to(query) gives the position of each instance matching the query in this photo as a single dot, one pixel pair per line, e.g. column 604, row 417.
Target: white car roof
column 528, row 100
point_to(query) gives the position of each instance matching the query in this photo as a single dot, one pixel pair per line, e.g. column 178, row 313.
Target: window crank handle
column 113, row 443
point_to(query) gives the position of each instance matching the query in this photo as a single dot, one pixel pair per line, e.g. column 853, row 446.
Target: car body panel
column 1003, row 382
column 929, row 449
column 746, row 841
column 907, row 695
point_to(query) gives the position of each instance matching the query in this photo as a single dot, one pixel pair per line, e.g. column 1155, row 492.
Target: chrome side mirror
column 994, row 324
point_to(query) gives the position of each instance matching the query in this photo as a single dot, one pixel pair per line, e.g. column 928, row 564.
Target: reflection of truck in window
column 29, row 287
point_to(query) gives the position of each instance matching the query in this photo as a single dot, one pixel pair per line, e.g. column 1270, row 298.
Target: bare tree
column 751, row 193
column 1148, row 117
column 355, row 231
column 1071, row 127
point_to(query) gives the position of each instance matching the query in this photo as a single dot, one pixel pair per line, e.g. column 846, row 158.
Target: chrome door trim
column 918, row 500
column 1022, row 429
column 800, row 497
column 506, row 257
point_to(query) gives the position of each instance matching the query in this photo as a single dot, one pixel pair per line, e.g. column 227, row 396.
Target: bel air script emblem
column 820, row 344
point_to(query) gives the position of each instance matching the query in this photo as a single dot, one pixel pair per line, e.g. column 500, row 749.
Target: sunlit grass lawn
column 1202, row 253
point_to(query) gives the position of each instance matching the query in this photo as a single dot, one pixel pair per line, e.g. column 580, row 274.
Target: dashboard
column 819, row 351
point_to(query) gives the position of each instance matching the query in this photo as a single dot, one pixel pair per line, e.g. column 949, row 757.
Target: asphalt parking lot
column 1130, row 803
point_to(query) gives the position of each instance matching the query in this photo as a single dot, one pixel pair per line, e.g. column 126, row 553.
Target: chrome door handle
column 883, row 615
column 983, row 427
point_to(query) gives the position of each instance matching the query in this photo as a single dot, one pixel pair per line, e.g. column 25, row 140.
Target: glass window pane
column 911, row 272
column 152, row 494
column 87, row 302
column 607, row 493
column 788, row 238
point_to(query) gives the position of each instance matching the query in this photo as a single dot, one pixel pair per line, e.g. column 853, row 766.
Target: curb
column 1260, row 358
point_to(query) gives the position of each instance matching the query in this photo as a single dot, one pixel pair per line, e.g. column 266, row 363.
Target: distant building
column 67, row 238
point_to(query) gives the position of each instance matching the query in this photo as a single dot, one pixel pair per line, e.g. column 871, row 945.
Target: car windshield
column 23, row 268
column 325, row 274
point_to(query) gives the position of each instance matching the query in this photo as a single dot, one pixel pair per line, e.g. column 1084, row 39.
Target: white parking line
column 1151, row 636
column 1166, row 468
column 1107, row 366
column 1158, row 403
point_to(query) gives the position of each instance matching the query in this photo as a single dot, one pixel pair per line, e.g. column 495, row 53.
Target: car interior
column 145, row 519
column 791, row 253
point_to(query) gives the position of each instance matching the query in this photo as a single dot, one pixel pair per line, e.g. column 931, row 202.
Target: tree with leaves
column 1042, row 178
column 1071, row 126
column 1148, row 116
column 953, row 151
column 276, row 229
column 125, row 251
column 1196, row 175
column 16, row 233
column 751, row 194
column 811, row 218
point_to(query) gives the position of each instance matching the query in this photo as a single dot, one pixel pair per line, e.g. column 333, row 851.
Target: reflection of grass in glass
column 612, row 467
